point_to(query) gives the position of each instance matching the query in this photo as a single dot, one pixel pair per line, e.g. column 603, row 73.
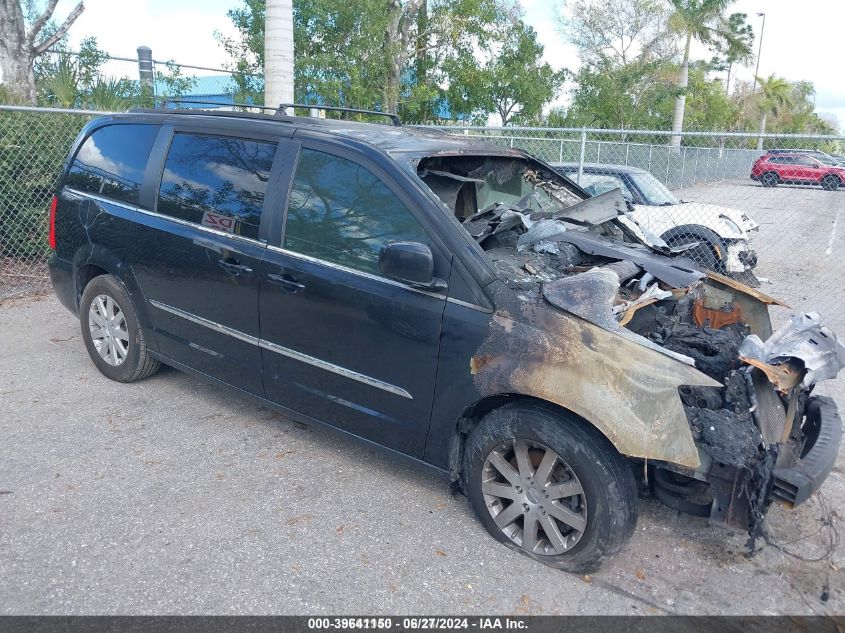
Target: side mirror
column 411, row 263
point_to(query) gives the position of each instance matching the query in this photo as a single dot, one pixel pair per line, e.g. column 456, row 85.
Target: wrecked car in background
column 719, row 238
column 458, row 303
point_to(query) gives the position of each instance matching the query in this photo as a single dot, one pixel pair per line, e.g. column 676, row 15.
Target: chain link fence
column 33, row 146
column 772, row 222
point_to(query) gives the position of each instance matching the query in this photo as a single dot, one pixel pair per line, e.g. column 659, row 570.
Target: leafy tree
column 737, row 49
column 621, row 97
column 247, row 50
column 171, row 81
column 75, row 80
column 514, row 83
column 703, row 21
column 382, row 54
column 618, row 32
column 776, row 95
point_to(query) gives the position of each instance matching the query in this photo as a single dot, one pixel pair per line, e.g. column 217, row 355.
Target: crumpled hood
column 661, row 218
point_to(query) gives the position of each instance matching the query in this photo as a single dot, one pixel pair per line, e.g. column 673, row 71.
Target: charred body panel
column 629, row 392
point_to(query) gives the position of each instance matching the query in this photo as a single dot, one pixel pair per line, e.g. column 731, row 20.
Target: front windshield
column 654, row 192
column 595, row 184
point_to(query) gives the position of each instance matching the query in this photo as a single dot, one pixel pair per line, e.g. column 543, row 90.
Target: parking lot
column 168, row 496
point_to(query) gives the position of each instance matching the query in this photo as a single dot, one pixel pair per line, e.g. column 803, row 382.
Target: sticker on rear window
column 219, row 222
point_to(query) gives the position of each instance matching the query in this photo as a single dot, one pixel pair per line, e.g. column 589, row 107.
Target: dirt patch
column 22, row 279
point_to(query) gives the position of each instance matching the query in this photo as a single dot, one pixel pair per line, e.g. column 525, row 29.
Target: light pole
column 759, row 51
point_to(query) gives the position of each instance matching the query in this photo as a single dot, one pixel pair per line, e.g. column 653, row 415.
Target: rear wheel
column 549, row 486
column 112, row 334
column 830, row 183
column 769, row 179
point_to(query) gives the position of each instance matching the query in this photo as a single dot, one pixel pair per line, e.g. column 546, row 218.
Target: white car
column 717, row 237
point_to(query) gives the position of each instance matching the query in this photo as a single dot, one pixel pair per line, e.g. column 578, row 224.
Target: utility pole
column 278, row 53
column 759, row 52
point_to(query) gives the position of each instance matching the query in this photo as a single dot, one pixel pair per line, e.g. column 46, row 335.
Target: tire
column 769, row 179
column 830, row 183
column 598, row 493
column 710, row 251
column 120, row 351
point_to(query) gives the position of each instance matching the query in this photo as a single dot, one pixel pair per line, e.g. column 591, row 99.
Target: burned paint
column 629, row 392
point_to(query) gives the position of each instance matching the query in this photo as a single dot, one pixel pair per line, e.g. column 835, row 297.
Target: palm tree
column 775, row 95
column 278, row 53
column 700, row 20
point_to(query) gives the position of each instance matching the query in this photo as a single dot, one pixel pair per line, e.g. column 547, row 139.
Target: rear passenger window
column 342, row 213
column 111, row 162
column 215, row 181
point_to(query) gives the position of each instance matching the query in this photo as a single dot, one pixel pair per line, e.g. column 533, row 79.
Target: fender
column 97, row 255
column 699, row 232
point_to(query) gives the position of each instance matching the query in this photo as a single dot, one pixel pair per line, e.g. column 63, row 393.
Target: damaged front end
column 677, row 367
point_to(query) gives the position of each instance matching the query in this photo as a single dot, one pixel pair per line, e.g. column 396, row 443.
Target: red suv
column 773, row 169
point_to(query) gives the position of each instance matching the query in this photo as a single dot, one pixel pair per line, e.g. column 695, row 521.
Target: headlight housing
column 732, row 226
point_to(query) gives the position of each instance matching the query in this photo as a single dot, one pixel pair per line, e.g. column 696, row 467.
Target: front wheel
column 830, row 183
column 709, row 251
column 769, row 179
column 112, row 334
column 549, row 486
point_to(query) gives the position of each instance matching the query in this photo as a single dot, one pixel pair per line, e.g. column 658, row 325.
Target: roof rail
column 283, row 107
column 216, row 103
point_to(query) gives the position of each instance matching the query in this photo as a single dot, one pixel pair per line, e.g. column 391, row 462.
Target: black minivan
column 457, row 302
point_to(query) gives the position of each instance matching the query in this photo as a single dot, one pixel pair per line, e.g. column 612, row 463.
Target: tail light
column 52, row 234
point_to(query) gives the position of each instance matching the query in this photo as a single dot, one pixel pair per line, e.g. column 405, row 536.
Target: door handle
column 234, row 267
column 286, row 281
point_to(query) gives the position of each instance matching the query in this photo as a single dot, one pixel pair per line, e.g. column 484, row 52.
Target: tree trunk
column 15, row 55
column 278, row 53
column 681, row 100
column 397, row 42
column 728, row 80
column 762, row 131
column 18, row 47
column 392, row 52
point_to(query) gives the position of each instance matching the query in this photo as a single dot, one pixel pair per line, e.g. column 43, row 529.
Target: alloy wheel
column 534, row 497
column 108, row 328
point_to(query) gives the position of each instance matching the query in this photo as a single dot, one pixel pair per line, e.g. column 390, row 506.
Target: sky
column 799, row 41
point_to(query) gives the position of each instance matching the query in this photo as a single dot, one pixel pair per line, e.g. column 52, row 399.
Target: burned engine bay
column 755, row 431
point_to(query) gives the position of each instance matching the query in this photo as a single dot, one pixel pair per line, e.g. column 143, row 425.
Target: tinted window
column 342, row 213
column 216, row 181
column 112, row 160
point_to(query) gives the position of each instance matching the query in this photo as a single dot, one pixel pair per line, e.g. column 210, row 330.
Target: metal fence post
column 560, row 155
column 145, row 71
column 581, row 155
column 650, row 149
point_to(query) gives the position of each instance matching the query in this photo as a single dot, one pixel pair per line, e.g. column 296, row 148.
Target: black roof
column 408, row 140
column 602, row 168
